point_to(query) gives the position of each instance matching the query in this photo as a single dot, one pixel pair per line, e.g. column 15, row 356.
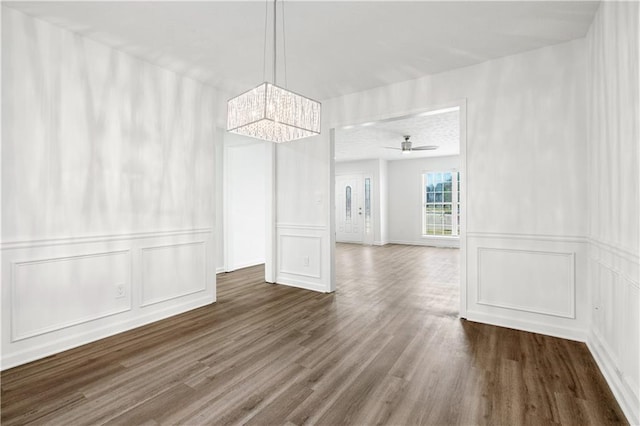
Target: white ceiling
column 368, row 141
column 333, row 48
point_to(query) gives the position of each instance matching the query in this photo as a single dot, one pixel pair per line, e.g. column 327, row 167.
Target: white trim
column 70, row 342
column 462, row 188
column 306, row 285
column 540, row 237
column 143, row 250
column 331, row 216
column 455, row 204
column 530, row 326
column 220, row 270
column 624, row 253
column 571, row 285
column 453, row 243
column 281, row 225
column 440, row 108
column 12, row 245
column 282, row 271
column 622, row 392
column 15, row 337
column 616, row 271
column 247, row 264
column 380, row 243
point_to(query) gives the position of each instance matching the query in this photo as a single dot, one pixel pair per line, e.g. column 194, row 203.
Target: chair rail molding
column 86, row 288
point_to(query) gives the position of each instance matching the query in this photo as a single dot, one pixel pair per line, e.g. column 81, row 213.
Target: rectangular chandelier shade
column 272, row 113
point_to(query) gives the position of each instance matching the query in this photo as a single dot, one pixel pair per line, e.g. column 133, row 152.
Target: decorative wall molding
column 17, row 335
column 623, row 393
column 194, row 287
column 243, row 265
column 535, row 237
column 281, row 225
column 302, row 251
column 84, row 286
column 570, row 333
column 570, row 284
column 535, row 284
column 120, row 323
column 621, row 252
column 303, row 284
column 318, row 256
column 614, row 340
column 429, row 242
column 11, row 245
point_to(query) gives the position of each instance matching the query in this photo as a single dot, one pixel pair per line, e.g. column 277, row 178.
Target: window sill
column 440, row 237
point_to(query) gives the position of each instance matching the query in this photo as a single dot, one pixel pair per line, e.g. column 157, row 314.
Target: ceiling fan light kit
column 406, row 147
column 273, row 113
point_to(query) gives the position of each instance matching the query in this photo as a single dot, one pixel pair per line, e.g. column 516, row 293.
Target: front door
column 349, row 206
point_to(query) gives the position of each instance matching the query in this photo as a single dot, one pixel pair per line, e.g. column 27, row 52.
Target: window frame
column 455, row 203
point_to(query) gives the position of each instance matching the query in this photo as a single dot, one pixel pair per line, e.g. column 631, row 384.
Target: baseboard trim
column 380, row 243
column 429, row 243
column 623, row 395
column 219, row 270
column 70, row 342
column 247, row 264
column 530, row 326
column 301, row 284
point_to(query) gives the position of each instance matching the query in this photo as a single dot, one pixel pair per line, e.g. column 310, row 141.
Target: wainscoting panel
column 529, row 282
column 50, row 294
column 614, row 340
column 62, row 293
column 533, row 281
column 173, row 271
column 301, row 257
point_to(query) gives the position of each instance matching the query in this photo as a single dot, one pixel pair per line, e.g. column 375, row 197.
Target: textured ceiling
column 369, row 141
column 333, row 48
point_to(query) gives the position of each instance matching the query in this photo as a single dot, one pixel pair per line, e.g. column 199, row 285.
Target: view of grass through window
column 441, row 203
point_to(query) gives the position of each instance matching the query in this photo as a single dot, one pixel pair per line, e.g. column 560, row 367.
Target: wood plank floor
column 386, row 348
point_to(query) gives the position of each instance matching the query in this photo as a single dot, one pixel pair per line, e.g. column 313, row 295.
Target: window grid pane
column 441, row 203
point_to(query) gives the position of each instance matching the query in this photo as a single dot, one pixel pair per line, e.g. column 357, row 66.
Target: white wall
column 107, row 191
column 304, row 212
column 526, row 168
column 405, row 199
column 614, row 198
column 245, row 209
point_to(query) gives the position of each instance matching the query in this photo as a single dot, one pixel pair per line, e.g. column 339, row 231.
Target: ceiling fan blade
column 424, row 148
column 390, row 147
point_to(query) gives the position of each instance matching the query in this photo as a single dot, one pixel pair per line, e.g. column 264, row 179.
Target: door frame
column 367, row 238
column 462, row 106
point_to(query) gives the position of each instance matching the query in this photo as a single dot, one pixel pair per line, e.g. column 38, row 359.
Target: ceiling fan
column 406, row 146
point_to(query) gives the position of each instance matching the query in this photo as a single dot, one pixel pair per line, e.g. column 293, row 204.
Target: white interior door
column 349, row 209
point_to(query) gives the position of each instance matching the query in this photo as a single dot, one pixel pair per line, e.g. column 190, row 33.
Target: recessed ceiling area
column 371, row 140
column 333, row 48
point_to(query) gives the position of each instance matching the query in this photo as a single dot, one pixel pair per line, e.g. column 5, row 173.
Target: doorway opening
column 401, row 181
column 354, row 208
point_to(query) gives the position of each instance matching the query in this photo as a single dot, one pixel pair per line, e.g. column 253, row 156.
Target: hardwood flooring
column 386, row 348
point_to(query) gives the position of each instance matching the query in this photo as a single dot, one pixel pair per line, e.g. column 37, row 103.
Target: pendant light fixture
column 273, row 113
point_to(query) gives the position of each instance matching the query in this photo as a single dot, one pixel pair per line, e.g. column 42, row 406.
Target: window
column 441, row 203
column 347, row 204
column 367, row 205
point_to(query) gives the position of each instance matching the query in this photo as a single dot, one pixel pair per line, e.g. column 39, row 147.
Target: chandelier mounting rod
column 274, row 41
